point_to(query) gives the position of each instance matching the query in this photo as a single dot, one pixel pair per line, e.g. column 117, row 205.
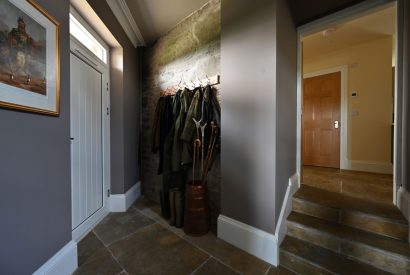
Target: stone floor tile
column 156, row 250
column 214, row 267
column 143, row 203
column 178, row 231
column 153, row 211
column 119, row 225
column 91, row 248
column 149, row 208
column 105, row 265
column 230, row 255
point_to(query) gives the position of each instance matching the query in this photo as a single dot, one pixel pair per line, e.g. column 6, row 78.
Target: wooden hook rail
column 211, row 81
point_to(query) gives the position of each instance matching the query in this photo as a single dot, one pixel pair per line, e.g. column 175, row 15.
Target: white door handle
column 336, row 124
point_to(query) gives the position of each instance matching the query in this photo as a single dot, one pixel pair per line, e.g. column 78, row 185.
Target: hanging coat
column 189, row 133
column 174, row 179
column 162, row 126
column 178, row 143
column 210, row 112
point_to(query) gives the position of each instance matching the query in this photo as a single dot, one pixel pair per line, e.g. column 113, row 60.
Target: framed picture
column 29, row 58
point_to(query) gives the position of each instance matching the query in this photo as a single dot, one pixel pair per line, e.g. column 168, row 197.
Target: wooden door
column 321, row 120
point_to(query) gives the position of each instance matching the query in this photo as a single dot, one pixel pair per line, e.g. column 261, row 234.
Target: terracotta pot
column 196, row 217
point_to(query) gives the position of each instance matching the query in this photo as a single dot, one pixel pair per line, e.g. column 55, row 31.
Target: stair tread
column 342, row 201
column 398, row 247
column 326, row 259
column 280, row 271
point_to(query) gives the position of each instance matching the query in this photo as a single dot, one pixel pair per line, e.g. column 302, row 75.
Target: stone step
column 281, row 270
column 385, row 253
column 366, row 215
column 305, row 258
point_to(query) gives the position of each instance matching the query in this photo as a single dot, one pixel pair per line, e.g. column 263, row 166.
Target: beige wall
column 369, row 74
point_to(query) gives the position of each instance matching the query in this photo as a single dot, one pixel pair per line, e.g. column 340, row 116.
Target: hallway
column 139, row 241
column 122, row 118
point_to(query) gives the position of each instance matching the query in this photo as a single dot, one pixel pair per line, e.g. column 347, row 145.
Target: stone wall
column 189, row 52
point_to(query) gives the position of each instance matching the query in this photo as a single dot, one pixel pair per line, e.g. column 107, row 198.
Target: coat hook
column 208, row 80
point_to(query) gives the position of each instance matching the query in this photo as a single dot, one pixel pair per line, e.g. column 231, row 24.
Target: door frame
column 343, row 108
column 332, row 20
column 80, row 51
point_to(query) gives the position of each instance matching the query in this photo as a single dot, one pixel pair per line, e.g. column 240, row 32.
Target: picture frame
column 29, row 58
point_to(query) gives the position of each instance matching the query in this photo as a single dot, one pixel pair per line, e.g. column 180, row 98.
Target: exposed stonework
column 189, row 52
column 199, row 29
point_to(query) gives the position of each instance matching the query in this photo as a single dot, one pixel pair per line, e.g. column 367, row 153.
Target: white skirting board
column 250, row 239
column 121, row 202
column 64, row 262
column 83, row 229
column 370, row 166
column 281, row 227
column 255, row 241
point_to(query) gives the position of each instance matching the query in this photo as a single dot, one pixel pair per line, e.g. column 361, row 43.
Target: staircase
column 331, row 233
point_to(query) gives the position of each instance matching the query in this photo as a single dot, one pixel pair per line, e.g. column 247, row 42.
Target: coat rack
column 211, row 81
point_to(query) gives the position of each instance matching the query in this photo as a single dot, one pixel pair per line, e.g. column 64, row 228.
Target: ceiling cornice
column 124, row 16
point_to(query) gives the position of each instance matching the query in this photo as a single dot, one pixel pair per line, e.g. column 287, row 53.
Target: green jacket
column 178, row 144
column 189, row 132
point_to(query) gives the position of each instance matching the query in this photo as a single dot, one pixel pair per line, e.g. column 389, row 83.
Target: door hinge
column 108, row 111
column 108, row 192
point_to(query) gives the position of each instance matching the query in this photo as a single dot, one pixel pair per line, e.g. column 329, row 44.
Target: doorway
column 346, row 103
column 89, row 127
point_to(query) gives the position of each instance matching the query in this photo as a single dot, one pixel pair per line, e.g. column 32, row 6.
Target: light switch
column 355, row 113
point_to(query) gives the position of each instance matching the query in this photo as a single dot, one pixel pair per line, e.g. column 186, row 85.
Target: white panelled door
column 86, row 141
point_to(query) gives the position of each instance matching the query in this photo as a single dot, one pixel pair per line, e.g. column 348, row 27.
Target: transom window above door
column 87, row 39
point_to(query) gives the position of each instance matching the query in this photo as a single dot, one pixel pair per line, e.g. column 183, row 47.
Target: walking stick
column 198, row 125
column 197, row 144
column 211, row 149
column 202, row 145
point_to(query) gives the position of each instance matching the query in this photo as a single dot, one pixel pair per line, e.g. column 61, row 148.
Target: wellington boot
column 164, row 199
column 172, row 218
column 179, row 207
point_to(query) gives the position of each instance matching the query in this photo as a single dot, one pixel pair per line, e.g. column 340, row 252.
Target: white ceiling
column 370, row 27
column 156, row 17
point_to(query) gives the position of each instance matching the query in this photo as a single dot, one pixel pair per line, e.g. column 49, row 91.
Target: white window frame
column 76, row 20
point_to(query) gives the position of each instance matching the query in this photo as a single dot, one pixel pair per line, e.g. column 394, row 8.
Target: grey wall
column 117, row 123
column 125, row 105
column 403, row 131
column 35, row 204
column 286, row 97
column 406, row 98
column 248, row 58
column 253, row 120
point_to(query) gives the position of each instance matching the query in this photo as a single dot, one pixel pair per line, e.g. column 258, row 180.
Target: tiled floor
column 370, row 186
column 141, row 242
